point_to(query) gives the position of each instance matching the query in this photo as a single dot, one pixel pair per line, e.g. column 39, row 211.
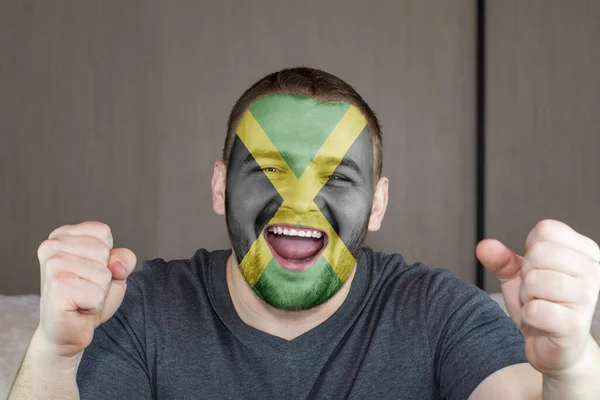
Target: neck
column 282, row 323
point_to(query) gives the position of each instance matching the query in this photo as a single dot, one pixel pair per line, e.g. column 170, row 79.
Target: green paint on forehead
column 297, row 125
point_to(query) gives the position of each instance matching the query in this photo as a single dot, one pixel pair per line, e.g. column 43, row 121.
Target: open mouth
column 295, row 247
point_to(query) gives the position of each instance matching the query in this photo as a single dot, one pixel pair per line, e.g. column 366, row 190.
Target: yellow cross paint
column 299, row 193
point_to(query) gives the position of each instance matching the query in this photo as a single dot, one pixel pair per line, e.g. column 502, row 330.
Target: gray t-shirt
column 404, row 332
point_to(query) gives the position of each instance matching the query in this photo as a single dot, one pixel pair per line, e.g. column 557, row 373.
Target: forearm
column 585, row 382
column 45, row 376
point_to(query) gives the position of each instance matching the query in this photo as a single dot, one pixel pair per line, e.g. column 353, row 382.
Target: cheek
column 345, row 208
column 352, row 209
column 248, row 196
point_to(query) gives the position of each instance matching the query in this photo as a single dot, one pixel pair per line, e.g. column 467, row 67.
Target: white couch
column 19, row 317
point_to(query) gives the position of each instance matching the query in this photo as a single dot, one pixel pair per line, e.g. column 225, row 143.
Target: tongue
column 295, row 247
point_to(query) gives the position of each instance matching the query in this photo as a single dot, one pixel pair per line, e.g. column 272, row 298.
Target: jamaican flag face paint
column 298, row 197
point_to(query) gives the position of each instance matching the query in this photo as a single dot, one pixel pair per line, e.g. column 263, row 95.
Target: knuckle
column 544, row 227
column 536, row 249
column 530, row 278
column 54, row 268
column 104, row 252
column 47, row 246
column 59, row 230
column 104, row 233
column 102, row 228
column 54, row 262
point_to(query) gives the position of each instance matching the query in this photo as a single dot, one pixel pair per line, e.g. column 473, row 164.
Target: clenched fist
column 551, row 293
column 82, row 284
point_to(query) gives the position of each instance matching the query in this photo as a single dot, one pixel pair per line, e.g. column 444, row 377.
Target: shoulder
column 423, row 292
column 162, row 281
column 467, row 335
column 158, row 271
column 391, row 269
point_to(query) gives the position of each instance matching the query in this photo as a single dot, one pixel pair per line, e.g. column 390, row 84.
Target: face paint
column 298, row 197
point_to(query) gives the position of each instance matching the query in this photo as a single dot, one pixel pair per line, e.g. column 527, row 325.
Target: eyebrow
column 345, row 162
column 321, row 160
column 261, row 153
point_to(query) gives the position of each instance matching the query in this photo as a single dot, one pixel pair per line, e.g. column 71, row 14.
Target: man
column 300, row 309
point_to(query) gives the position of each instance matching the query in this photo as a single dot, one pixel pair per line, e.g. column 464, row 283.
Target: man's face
column 298, row 197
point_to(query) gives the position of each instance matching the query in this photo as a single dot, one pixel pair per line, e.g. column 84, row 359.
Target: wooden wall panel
column 116, row 110
column 413, row 61
column 79, row 128
column 543, row 109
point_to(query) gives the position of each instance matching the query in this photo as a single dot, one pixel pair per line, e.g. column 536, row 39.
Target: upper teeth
column 295, row 232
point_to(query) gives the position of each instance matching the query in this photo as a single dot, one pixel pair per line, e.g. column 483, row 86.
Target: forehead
column 297, row 116
column 299, row 127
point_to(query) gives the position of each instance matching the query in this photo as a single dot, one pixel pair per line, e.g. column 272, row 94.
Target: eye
column 270, row 169
column 337, row 177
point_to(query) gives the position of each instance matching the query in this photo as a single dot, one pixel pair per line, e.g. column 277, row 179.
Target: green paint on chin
column 297, row 125
column 297, row 290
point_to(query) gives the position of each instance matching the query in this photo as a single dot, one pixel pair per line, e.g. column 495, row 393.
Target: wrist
column 580, row 381
column 47, row 355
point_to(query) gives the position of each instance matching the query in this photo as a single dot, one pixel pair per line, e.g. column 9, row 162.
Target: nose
column 300, row 206
column 299, row 199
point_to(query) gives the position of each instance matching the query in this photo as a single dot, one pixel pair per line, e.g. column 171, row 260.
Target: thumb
column 121, row 263
column 506, row 265
column 499, row 259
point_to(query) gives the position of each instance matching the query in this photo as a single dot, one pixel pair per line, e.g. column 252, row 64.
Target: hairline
column 327, row 99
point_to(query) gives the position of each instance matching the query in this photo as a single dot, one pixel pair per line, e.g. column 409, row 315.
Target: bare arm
column 83, row 281
column 517, row 382
column 522, row 382
column 44, row 375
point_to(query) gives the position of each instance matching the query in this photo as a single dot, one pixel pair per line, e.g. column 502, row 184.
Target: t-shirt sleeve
column 114, row 365
column 469, row 334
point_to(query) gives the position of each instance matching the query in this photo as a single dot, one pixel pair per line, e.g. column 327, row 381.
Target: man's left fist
column 551, row 293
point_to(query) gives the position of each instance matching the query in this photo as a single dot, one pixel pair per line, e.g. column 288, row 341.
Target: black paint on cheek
column 347, row 207
column 267, row 214
column 251, row 200
column 349, row 218
column 239, row 241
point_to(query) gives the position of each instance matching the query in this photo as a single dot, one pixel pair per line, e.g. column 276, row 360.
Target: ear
column 380, row 200
column 218, row 187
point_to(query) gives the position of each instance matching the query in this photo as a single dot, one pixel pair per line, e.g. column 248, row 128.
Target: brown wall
column 116, row 111
column 543, row 108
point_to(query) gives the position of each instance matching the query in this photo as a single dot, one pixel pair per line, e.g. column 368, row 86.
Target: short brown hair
column 309, row 82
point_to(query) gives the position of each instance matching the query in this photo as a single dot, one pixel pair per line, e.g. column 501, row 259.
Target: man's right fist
column 82, row 284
